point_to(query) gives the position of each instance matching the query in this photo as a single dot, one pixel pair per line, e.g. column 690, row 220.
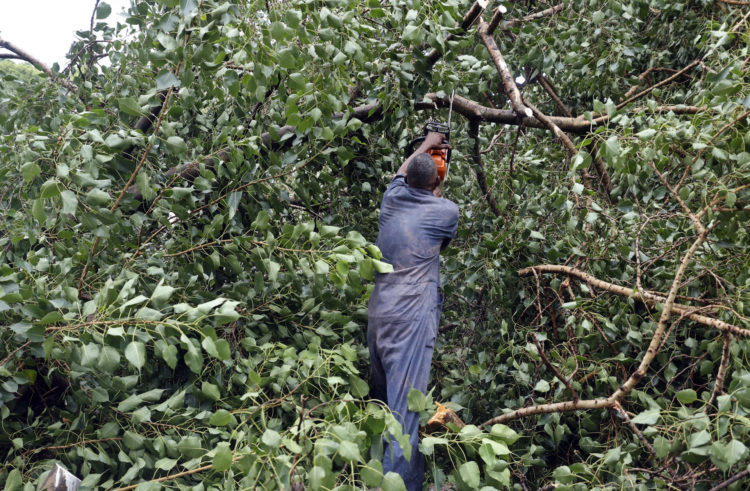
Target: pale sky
column 46, row 28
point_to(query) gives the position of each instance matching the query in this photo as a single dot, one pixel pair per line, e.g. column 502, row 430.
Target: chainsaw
column 442, row 156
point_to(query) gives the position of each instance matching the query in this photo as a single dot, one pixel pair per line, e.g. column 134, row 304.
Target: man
column 405, row 305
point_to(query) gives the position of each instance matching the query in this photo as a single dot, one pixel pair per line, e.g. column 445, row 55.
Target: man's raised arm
column 432, row 140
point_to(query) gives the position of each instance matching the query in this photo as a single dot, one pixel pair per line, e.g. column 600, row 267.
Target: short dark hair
column 421, row 172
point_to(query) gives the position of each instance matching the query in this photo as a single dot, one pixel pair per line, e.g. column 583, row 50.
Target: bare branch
column 556, row 407
column 23, row 55
column 663, row 82
column 643, row 296
column 722, row 372
column 537, row 15
column 479, row 169
column 551, row 91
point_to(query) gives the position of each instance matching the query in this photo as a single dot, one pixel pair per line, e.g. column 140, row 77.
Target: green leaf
column 190, row 447
column 129, row 106
column 392, row 482
column 271, row 438
column 169, row 354
column 372, row 473
column 648, row 417
column 646, row 134
column 469, row 473
column 50, row 189
column 504, row 433
column 687, row 396
column 103, row 10
column 542, row 386
column 211, row 391
column 166, row 79
column 29, row 171
column 287, row 58
column 109, row 359
column 222, row 417
column 69, row 202
column 411, row 33
column 193, row 358
column 135, row 352
column 349, row 451
column 382, row 267
column 223, row 457
column 176, row 145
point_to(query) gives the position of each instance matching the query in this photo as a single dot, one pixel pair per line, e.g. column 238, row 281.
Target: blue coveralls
column 404, row 309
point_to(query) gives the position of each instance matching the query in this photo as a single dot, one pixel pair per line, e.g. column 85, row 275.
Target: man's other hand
column 437, row 192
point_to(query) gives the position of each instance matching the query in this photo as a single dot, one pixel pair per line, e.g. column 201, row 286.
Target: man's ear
column 436, row 183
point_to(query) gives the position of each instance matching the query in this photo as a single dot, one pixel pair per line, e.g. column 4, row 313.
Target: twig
column 567, row 142
column 565, row 381
column 624, row 415
column 663, row 82
column 537, row 15
column 556, row 407
column 479, row 170
column 551, row 91
column 10, row 355
column 722, row 372
column 739, row 475
column 175, row 476
column 93, row 14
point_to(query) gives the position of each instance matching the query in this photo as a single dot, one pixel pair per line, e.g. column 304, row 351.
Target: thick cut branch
column 645, row 297
column 475, row 111
column 505, row 76
column 23, row 55
column 556, row 407
column 496, row 18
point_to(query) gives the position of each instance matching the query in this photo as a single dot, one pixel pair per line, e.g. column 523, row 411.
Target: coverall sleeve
column 450, row 225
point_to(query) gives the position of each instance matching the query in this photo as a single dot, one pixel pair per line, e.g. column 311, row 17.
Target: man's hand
column 437, row 192
column 433, row 140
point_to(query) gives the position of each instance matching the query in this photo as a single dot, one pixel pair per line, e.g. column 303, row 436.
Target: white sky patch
column 46, row 28
column 520, row 79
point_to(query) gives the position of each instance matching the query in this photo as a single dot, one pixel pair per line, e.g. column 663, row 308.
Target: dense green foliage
column 212, row 323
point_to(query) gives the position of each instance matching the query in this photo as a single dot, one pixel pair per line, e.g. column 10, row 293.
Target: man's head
column 422, row 172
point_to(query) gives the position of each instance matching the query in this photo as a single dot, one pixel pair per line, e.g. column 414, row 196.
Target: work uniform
column 404, row 310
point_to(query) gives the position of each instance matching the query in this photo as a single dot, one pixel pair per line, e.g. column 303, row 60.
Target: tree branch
column 663, row 82
column 565, row 381
column 551, row 91
column 502, row 68
column 479, row 170
column 556, row 407
column 722, row 372
column 23, row 55
column 642, row 296
column 537, row 15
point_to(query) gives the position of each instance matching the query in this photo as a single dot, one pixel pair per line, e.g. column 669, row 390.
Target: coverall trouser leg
column 400, row 357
